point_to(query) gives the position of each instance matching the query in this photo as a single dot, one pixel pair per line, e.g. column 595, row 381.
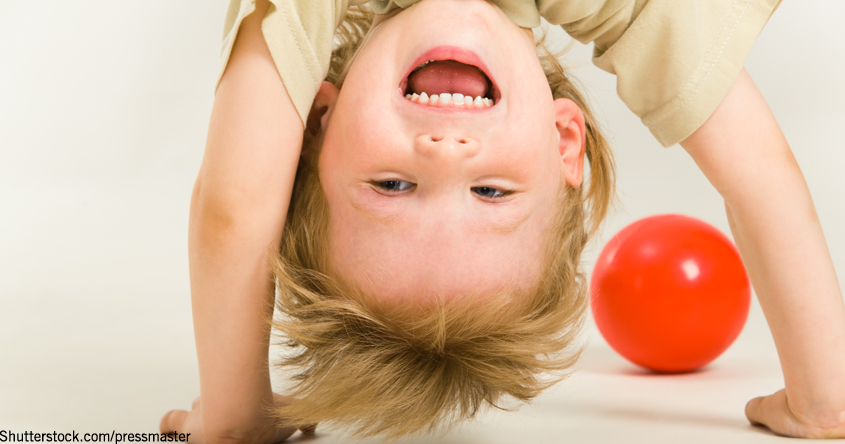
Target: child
column 429, row 248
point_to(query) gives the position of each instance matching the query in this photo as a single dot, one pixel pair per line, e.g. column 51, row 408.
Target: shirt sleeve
column 299, row 34
column 674, row 60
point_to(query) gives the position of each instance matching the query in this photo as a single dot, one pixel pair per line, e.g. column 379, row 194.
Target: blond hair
column 386, row 370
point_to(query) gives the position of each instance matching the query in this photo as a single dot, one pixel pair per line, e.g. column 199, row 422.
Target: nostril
column 436, row 139
column 462, row 141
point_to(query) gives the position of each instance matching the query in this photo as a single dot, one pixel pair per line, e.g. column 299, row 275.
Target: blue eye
column 395, row 186
column 490, row 192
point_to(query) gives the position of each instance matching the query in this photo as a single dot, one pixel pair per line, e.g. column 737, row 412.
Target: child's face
column 444, row 200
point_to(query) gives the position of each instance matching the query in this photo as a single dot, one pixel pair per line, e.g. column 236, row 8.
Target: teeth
column 446, row 100
column 421, row 65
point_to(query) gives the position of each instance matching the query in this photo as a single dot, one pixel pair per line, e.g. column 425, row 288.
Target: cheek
column 362, row 127
column 535, row 120
column 368, row 92
column 533, row 155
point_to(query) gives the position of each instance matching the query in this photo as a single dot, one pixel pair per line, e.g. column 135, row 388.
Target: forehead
column 438, row 254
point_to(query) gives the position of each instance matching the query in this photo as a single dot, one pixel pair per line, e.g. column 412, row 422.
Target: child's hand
column 261, row 430
column 774, row 412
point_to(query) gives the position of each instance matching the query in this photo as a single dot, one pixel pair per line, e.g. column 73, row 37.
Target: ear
column 573, row 140
column 321, row 108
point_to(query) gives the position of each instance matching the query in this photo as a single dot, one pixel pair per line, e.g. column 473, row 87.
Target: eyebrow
column 498, row 225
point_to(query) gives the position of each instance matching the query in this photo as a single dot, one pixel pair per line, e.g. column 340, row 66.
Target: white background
column 103, row 115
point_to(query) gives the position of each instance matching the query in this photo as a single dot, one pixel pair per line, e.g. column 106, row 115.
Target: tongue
column 449, row 76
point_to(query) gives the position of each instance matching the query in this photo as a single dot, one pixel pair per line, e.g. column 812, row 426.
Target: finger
column 754, row 411
column 773, row 412
column 283, row 433
column 172, row 421
column 195, row 404
column 837, row 432
column 308, row 430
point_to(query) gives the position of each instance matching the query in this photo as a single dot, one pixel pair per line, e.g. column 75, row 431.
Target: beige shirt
column 674, row 59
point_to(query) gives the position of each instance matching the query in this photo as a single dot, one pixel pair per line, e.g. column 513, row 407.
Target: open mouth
column 450, row 77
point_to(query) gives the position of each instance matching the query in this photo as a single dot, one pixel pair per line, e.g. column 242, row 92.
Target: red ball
column 670, row 293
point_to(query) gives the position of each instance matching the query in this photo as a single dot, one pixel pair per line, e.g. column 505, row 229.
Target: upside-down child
column 423, row 210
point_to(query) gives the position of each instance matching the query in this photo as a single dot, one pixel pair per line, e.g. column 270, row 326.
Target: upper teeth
column 445, row 100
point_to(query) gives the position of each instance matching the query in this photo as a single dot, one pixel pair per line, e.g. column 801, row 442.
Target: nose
column 446, row 146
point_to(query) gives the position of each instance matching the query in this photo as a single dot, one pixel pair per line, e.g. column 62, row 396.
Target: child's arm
column 744, row 154
column 237, row 213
